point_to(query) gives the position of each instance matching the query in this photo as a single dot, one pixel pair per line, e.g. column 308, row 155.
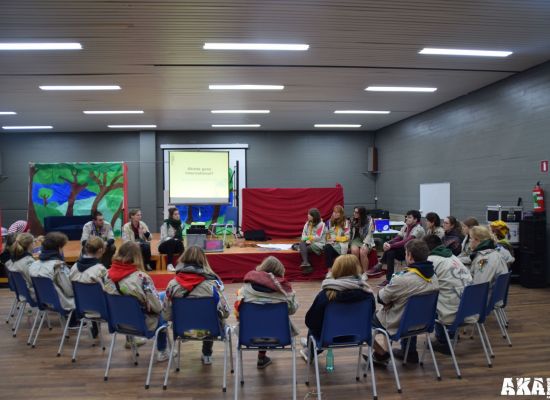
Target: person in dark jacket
column 453, row 235
column 344, row 284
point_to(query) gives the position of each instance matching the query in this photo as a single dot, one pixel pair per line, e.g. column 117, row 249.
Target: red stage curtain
column 283, row 212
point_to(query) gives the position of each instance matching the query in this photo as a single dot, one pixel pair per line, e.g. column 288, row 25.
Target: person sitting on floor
column 345, row 283
column 313, row 239
column 171, row 237
column 452, row 277
column 395, row 248
column 500, row 230
column 22, row 259
column 487, row 262
column 362, row 241
column 336, row 236
column 417, row 278
column 433, row 225
column 100, row 228
column 127, row 277
column 195, row 279
column 267, row 285
column 464, row 255
column 137, row 231
column 453, row 234
column 51, row 264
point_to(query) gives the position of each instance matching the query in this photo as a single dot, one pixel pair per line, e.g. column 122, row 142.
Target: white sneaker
column 170, row 268
column 303, row 342
column 206, row 360
column 164, row 354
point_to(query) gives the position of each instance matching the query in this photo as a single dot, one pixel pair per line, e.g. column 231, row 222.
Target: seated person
column 362, row 241
column 313, row 239
column 487, row 262
column 51, row 264
column 336, row 236
column 501, row 230
column 171, row 237
column 137, row 231
column 267, row 285
column 345, row 283
column 195, row 279
column 395, row 248
column 100, row 228
column 453, row 234
column 433, row 225
column 453, row 277
column 417, row 278
column 464, row 255
column 22, row 259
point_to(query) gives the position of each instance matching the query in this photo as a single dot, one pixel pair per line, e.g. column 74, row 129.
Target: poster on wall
column 77, row 189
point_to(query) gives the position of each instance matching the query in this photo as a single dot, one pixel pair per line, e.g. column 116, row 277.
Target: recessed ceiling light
column 114, row 112
column 400, row 89
column 464, row 52
column 360, row 112
column 80, row 87
column 28, row 127
column 236, row 125
column 337, row 125
column 255, row 46
column 131, row 126
column 40, row 46
column 246, row 87
column 7, row 113
column 240, row 111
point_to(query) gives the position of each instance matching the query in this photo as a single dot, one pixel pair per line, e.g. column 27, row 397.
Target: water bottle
column 330, row 361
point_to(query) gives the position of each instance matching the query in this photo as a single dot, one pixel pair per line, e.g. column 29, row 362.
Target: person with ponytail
column 171, row 237
column 337, row 236
column 21, row 257
column 196, row 279
column 313, row 239
column 127, row 277
column 88, row 268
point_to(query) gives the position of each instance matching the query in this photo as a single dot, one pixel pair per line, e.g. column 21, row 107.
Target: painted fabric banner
column 76, row 189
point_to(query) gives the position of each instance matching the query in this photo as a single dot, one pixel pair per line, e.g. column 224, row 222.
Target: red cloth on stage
column 283, row 212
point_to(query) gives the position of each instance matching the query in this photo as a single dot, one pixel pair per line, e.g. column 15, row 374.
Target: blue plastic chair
column 90, row 306
column 472, row 303
column 497, row 301
column 48, row 300
column 15, row 304
column 127, row 317
column 264, row 327
column 418, row 318
column 25, row 297
column 344, row 325
column 199, row 314
column 229, row 221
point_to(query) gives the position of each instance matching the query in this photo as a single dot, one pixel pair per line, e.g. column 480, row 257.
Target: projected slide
column 199, row 177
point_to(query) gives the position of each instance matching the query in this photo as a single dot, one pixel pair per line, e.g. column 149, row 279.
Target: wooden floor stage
column 38, row 374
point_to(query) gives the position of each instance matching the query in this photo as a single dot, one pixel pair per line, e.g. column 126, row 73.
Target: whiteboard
column 435, row 197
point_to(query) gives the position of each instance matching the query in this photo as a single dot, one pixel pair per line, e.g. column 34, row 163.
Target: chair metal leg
column 113, row 340
column 309, row 362
column 358, row 363
column 372, row 377
column 230, row 335
column 316, row 360
column 225, row 345
column 497, row 317
column 489, row 363
column 77, row 339
column 502, row 324
column 179, row 356
column 406, row 351
column 165, row 385
column 153, row 350
column 29, row 340
column 433, row 357
column 42, row 316
column 48, row 321
column 12, row 310
column 399, row 390
column 101, row 343
column 68, row 320
column 505, row 316
column 488, row 342
column 237, row 370
column 242, row 368
column 293, row 369
column 452, row 349
column 18, row 319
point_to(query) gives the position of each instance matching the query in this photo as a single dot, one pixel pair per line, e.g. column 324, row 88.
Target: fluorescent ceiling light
column 240, row 111
column 464, row 52
column 360, row 112
column 114, row 112
column 236, row 125
column 246, row 87
column 40, row 46
column 80, row 87
column 28, row 127
column 7, row 113
column 255, row 46
column 337, row 125
column 400, row 89
column 130, row 126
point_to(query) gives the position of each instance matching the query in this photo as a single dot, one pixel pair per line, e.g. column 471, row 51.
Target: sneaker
column 376, row 270
column 170, row 268
column 442, row 348
column 306, row 268
column 263, row 362
column 412, row 357
column 206, row 360
column 137, row 341
column 383, row 284
column 148, row 268
column 378, row 360
column 303, row 342
column 164, row 355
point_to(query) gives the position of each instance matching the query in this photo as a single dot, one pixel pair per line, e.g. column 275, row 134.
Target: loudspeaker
column 372, row 158
column 532, row 234
column 533, row 266
column 532, row 272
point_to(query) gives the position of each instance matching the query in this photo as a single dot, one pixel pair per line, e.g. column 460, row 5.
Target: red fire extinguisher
column 538, row 198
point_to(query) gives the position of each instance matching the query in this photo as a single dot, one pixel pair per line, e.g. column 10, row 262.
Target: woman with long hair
column 337, row 235
column 171, row 237
column 433, row 225
column 453, row 235
column 362, row 240
column 137, row 231
column 313, row 239
column 22, row 259
column 465, row 252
